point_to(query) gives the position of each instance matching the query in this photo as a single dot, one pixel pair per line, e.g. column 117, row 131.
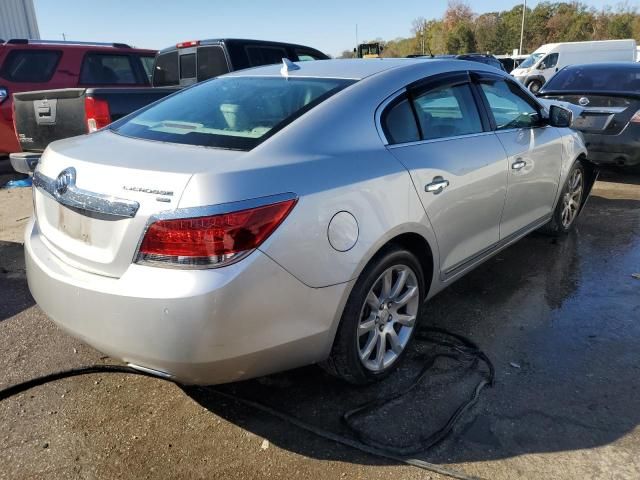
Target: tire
column 534, row 86
column 569, row 203
column 386, row 318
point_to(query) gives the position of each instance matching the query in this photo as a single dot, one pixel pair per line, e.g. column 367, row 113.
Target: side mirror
column 381, row 48
column 355, row 50
column 560, row 117
column 24, row 162
column 542, row 66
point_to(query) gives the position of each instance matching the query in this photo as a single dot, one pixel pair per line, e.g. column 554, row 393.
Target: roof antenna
column 288, row 66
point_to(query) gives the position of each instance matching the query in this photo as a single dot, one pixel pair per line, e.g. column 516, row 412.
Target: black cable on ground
column 468, row 350
column 364, row 444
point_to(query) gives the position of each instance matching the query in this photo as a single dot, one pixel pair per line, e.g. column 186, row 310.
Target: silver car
column 295, row 214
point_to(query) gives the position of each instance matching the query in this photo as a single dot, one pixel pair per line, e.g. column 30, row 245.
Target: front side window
column 508, row 105
column 306, row 56
column 101, row 69
column 550, row 61
column 147, row 64
column 262, row 55
column 30, row 66
column 531, row 60
column 447, row 111
column 230, row 112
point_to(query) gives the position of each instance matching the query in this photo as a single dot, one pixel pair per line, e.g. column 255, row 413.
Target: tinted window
column 447, row 111
column 101, row 69
column 399, row 123
column 597, row 77
column 259, row 55
column 166, row 70
column 147, row 64
column 34, row 66
column 211, row 62
column 230, row 112
column 510, row 108
column 188, row 65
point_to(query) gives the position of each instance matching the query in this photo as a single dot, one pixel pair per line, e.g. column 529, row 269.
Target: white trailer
column 542, row 64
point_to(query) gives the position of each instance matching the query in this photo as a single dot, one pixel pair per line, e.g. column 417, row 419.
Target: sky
column 328, row 25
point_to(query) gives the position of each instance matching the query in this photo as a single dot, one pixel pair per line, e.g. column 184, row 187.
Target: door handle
column 437, row 185
column 519, row 164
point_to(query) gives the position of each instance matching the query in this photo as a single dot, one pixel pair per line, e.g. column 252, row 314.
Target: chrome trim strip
column 205, row 211
column 68, row 194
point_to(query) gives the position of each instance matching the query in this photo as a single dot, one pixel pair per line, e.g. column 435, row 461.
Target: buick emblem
column 66, row 179
column 584, row 101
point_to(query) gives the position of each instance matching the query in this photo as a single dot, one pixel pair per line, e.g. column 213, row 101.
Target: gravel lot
column 559, row 320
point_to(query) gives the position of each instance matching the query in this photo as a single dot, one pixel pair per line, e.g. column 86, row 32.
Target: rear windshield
column 165, row 73
column 230, row 112
column 594, row 78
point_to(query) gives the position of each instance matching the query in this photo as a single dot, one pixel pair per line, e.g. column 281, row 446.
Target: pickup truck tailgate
column 44, row 116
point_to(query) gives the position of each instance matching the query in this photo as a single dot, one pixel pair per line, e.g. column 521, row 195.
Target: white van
column 542, row 64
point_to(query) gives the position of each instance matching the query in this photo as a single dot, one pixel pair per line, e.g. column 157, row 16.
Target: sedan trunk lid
column 94, row 195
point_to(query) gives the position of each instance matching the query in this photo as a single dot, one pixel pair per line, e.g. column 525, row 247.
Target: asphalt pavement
column 558, row 319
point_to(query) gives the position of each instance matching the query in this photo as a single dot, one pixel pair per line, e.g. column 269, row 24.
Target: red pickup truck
column 27, row 65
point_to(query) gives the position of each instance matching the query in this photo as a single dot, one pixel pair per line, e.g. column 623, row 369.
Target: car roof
column 213, row 41
column 354, row 69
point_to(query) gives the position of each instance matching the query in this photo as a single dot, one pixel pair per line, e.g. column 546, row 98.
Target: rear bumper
column 201, row 326
column 621, row 149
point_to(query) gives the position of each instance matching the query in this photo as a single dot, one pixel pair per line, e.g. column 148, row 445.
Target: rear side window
column 263, row 55
column 508, row 105
column 30, row 66
column 230, row 112
column 165, row 72
column 447, row 111
column 211, row 62
column 107, row 69
column 399, row 123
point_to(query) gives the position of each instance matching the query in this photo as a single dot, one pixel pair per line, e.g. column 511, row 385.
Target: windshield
column 531, row 60
column 229, row 112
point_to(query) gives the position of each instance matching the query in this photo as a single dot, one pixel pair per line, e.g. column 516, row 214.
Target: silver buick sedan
column 295, row 214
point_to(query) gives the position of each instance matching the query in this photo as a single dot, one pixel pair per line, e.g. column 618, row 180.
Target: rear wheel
column 379, row 318
column 569, row 203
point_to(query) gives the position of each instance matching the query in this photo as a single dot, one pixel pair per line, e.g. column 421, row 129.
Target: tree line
column 461, row 30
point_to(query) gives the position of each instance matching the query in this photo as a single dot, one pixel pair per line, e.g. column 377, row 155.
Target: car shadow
column 14, row 292
column 554, row 316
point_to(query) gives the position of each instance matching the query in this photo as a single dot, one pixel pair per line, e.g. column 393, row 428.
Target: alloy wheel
column 388, row 317
column 572, row 198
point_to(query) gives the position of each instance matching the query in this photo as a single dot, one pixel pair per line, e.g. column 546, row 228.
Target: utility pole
column 356, row 41
column 524, row 9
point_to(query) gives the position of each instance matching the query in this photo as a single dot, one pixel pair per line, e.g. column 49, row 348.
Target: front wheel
column 379, row 319
column 535, row 86
column 569, row 203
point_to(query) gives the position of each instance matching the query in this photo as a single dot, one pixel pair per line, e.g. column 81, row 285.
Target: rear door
column 456, row 162
column 534, row 153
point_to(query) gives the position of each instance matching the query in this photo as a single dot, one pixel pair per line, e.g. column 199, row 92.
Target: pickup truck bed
column 42, row 117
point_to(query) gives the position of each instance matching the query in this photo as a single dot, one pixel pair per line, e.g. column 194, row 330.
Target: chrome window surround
column 378, row 119
column 204, row 211
column 63, row 190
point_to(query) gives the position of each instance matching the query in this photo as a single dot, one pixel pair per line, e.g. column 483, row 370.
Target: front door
column 534, row 154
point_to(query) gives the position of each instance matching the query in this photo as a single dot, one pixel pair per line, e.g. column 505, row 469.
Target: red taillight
column 636, row 117
column 97, row 113
column 211, row 241
column 190, row 43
